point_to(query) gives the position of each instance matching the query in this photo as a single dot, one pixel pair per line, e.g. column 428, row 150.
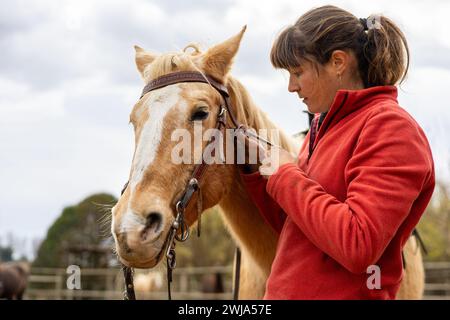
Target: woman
column 364, row 176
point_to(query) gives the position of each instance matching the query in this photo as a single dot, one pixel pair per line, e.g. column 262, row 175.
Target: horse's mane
column 249, row 114
column 245, row 109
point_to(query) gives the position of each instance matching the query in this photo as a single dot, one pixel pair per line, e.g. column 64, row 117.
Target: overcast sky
column 68, row 82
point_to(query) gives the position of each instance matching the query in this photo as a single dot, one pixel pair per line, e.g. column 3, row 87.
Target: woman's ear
column 339, row 61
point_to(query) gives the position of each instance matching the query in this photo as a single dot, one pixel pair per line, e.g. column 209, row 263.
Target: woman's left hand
column 273, row 159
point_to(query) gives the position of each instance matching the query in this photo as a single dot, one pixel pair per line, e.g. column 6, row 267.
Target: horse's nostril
column 154, row 220
column 152, row 226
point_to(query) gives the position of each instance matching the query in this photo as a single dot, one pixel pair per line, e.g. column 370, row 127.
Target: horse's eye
column 199, row 114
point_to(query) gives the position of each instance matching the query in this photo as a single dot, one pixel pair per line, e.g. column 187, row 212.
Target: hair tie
column 364, row 23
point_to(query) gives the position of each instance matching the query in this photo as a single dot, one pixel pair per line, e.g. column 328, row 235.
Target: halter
column 180, row 230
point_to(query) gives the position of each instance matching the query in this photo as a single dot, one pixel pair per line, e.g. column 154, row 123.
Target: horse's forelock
column 174, row 61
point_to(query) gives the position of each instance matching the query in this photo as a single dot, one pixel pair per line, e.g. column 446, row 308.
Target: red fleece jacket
column 352, row 203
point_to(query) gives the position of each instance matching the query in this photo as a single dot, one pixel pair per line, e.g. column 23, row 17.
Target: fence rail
column 49, row 283
column 437, row 275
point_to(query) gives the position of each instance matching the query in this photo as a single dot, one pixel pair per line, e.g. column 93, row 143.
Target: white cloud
column 21, row 105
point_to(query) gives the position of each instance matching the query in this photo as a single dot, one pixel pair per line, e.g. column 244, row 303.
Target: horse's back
column 13, row 280
column 413, row 282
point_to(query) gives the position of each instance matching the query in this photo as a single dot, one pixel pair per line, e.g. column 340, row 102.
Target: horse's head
column 142, row 218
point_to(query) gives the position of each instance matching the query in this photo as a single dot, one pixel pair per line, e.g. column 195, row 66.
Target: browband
column 183, row 76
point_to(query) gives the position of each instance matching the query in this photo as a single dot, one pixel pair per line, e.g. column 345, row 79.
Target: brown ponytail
column 379, row 45
column 387, row 54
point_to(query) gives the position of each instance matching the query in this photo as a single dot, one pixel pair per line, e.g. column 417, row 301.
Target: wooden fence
column 437, row 280
column 49, row 283
column 46, row 283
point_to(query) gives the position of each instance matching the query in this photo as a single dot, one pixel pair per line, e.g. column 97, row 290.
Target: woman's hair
column 379, row 45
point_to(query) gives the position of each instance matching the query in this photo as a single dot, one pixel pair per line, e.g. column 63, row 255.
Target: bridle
column 179, row 230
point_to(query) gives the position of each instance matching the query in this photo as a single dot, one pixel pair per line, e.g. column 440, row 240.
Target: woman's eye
column 200, row 114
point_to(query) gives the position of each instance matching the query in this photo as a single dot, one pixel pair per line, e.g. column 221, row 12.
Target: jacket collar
column 347, row 101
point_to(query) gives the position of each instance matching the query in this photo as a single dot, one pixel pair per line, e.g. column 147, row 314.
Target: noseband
column 180, row 230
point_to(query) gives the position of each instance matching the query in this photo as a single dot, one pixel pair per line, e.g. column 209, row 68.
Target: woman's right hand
column 250, row 143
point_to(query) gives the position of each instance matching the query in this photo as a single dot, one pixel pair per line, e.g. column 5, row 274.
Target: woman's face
column 315, row 87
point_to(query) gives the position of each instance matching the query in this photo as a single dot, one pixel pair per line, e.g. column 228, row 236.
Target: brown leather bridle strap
column 237, row 273
column 192, row 187
column 129, row 284
column 192, row 76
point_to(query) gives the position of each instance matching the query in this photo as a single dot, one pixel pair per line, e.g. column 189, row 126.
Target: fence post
column 58, row 284
column 184, row 283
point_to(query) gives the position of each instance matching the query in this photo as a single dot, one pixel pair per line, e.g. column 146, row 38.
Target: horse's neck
column 247, row 226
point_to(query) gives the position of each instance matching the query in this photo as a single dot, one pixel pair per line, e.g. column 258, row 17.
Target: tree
column 78, row 236
column 6, row 254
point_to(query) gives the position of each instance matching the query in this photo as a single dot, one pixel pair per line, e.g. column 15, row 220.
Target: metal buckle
column 178, row 209
column 169, row 244
column 193, row 182
column 184, row 235
column 222, row 112
column 221, row 118
column 179, row 223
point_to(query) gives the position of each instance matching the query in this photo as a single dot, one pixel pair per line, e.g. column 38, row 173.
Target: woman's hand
column 270, row 158
column 274, row 158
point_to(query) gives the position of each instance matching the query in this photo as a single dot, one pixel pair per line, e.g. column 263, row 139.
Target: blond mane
column 252, row 116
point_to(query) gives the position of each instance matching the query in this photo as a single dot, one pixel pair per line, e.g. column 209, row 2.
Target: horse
column 13, row 280
column 148, row 282
column 143, row 216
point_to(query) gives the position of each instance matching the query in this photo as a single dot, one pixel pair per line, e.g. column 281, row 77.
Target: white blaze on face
column 158, row 104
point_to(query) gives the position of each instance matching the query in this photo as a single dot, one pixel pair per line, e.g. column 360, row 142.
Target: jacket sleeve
column 389, row 168
column 272, row 213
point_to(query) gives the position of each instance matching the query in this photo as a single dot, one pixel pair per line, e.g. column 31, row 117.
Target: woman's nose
column 293, row 84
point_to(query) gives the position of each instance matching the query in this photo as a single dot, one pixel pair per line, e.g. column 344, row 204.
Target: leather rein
column 179, row 230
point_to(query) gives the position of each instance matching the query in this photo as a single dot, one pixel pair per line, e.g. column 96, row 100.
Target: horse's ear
column 218, row 59
column 143, row 59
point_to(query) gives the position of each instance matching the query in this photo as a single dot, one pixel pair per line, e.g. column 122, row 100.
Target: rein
column 179, row 230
